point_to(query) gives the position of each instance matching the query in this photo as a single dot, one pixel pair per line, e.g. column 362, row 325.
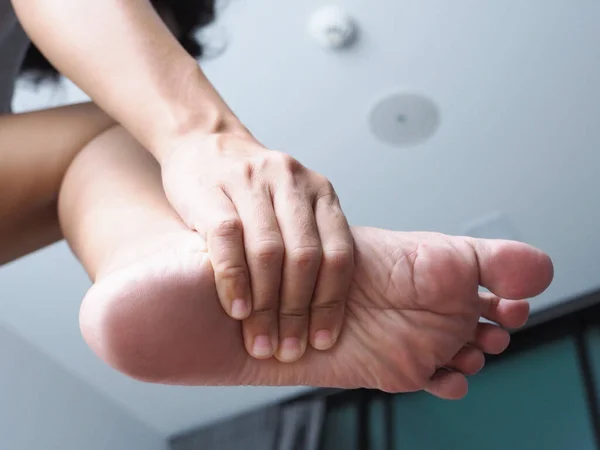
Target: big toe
column 512, row 270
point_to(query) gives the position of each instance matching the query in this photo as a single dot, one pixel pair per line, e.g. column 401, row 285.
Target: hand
column 279, row 243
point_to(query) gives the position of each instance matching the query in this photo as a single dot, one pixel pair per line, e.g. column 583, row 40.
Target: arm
column 277, row 237
column 128, row 61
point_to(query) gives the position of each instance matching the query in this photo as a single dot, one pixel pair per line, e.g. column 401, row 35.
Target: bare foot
column 413, row 311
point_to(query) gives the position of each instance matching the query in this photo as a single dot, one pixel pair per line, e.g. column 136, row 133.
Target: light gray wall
column 42, row 406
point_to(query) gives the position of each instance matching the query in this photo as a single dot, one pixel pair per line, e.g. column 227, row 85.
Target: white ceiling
column 518, row 87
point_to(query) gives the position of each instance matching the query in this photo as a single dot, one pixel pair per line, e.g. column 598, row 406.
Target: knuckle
column 228, row 227
column 228, row 271
column 328, row 305
column 244, row 171
column 296, row 312
column 284, row 167
column 265, row 309
column 273, row 166
column 326, row 192
column 306, row 256
column 326, row 189
column 339, row 260
column 269, row 252
column 286, row 162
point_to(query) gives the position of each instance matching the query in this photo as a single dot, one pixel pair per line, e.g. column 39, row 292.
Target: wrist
column 196, row 110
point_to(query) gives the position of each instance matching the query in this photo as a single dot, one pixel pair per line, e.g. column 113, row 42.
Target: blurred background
column 465, row 117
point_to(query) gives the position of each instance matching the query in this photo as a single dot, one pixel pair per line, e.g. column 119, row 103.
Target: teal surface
column 339, row 431
column 533, row 400
column 593, row 342
column 377, row 424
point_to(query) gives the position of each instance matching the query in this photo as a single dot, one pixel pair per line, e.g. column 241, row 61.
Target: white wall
column 42, row 406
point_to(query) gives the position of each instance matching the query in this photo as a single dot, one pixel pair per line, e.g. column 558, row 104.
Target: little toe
column 448, row 385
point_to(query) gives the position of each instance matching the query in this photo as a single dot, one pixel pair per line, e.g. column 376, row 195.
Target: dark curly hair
column 188, row 17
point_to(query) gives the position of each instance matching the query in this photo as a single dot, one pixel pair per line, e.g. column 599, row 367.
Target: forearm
column 130, row 64
column 35, row 152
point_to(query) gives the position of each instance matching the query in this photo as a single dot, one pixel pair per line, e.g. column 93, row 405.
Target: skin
column 32, row 167
column 279, row 242
column 412, row 311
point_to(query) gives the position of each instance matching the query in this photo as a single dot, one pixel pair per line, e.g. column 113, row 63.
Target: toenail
column 290, row 349
column 239, row 309
column 323, row 340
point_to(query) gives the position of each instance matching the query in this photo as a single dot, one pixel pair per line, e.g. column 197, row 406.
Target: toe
column 448, row 385
column 512, row 269
column 507, row 313
column 491, row 338
column 469, row 361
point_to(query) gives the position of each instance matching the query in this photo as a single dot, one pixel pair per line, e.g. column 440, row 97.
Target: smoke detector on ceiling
column 332, row 27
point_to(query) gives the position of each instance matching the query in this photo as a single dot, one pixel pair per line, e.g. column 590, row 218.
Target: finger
column 468, row 361
column 506, row 313
column 448, row 385
column 491, row 339
column 224, row 235
column 511, row 269
column 300, row 269
column 264, row 255
column 335, row 275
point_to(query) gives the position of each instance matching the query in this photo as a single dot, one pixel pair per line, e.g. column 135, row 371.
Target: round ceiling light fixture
column 214, row 39
column 332, row 27
column 404, row 119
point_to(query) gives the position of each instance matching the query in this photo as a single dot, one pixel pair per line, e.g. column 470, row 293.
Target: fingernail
column 262, row 347
column 323, row 340
column 290, row 350
column 239, row 309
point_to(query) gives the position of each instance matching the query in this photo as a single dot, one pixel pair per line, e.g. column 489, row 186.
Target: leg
column 153, row 311
column 35, row 151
